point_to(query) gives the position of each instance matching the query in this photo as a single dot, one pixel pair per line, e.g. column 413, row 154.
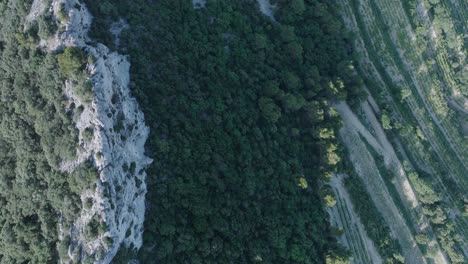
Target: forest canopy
column 242, row 130
column 236, row 103
column 36, row 134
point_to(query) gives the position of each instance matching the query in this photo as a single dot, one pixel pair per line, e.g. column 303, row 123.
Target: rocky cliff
column 112, row 135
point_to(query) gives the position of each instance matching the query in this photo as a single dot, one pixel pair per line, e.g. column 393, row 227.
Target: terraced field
column 410, row 135
column 344, row 217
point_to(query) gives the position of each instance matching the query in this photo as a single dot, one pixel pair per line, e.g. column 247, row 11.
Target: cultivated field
column 412, row 55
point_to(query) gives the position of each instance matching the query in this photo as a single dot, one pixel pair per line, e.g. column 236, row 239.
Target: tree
column 386, row 123
column 83, row 177
column 61, row 14
column 287, row 33
column 295, row 50
column 260, row 41
column 298, row 6
column 291, row 81
column 271, row 112
column 405, row 93
column 303, row 183
column 336, row 259
column 398, row 257
column 422, row 239
column 298, row 254
column 313, row 112
column 332, row 157
column 71, row 61
column 326, row 133
column 271, row 88
column 330, row 200
column 327, row 176
column 292, row 102
column 227, row 171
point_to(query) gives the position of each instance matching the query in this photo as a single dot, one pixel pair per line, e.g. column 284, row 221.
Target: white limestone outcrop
column 116, row 147
column 198, row 3
column 38, row 8
column 267, row 8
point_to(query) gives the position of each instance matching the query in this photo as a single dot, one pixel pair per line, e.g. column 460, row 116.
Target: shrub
column 71, row 61
column 82, row 178
column 84, row 91
column 330, row 201
column 88, row 134
column 92, row 229
column 303, row 183
column 88, row 203
column 61, row 14
column 271, row 112
column 107, row 241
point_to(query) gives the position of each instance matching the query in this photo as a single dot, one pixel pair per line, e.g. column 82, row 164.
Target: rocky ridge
column 116, row 147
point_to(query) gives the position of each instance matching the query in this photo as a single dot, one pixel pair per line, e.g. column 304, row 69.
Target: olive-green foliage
column 424, row 189
column 233, row 101
column 92, row 229
column 331, row 259
column 422, row 239
column 330, row 200
column 36, row 134
column 62, row 15
column 83, row 177
column 83, row 89
column 270, row 111
column 71, row 61
column 46, row 27
column 386, row 122
column 88, row 134
column 433, row 208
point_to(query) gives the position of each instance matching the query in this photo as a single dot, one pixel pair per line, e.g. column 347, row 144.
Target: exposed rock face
column 117, row 28
column 267, row 8
column 198, row 3
column 116, row 147
column 38, row 7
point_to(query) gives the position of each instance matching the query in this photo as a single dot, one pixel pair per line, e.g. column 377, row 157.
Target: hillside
column 217, row 131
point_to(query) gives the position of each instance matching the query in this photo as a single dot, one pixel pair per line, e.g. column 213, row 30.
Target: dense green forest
column 243, row 132
column 36, row 134
column 242, row 129
column 243, row 109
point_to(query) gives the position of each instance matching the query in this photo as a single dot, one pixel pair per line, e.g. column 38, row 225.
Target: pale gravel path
column 367, row 169
column 372, row 102
column 406, row 192
column 348, row 115
column 198, row 3
column 407, row 195
column 38, row 8
column 267, row 8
